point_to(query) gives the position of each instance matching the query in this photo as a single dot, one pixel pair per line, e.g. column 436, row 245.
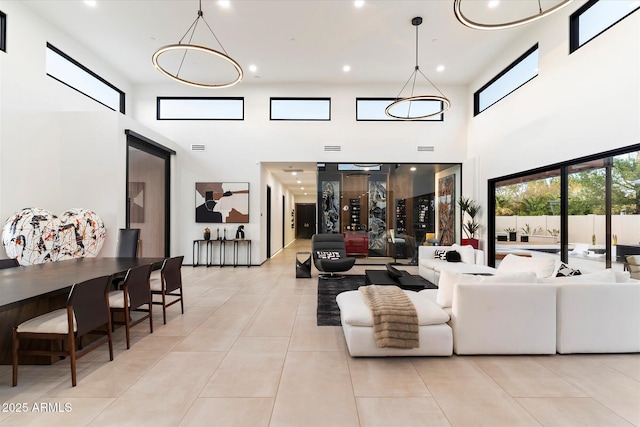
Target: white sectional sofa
column 429, row 266
column 519, row 310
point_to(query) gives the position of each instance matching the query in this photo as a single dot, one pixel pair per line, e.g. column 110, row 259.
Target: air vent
column 198, row 147
column 293, row 170
column 332, row 148
column 426, row 148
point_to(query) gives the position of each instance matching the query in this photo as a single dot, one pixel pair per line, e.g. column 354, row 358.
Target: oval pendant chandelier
column 409, row 101
column 189, row 47
column 457, row 10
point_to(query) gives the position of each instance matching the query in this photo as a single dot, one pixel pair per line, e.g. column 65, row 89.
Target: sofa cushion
column 449, row 279
column 356, row 312
column 623, row 276
column 446, row 283
column 543, row 267
column 604, row 276
column 467, row 253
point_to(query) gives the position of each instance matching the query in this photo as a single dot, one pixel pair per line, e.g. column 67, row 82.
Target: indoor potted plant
column 471, row 226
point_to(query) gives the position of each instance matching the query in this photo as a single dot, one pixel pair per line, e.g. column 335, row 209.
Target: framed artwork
column 222, row 202
column 136, row 204
column 446, row 209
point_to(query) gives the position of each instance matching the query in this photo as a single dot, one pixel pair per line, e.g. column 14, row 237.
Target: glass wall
column 385, row 211
column 585, row 212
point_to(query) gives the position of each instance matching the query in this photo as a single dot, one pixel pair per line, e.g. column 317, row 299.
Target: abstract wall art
column 222, row 202
column 35, row 236
column 330, row 207
column 377, row 218
column 446, row 209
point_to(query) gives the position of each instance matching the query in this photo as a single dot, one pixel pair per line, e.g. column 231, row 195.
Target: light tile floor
column 247, row 352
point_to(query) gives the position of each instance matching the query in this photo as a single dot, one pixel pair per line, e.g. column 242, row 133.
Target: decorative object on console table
column 240, row 232
column 471, row 226
column 207, row 234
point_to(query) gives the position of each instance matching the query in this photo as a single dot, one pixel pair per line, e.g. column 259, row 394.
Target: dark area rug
column 328, row 313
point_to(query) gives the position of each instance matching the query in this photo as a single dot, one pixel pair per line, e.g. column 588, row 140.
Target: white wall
column 580, row 104
column 58, row 148
column 236, row 149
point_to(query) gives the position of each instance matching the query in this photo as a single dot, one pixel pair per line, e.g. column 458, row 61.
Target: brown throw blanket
column 395, row 320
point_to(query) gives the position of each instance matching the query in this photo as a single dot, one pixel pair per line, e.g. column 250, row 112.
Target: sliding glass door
column 148, row 196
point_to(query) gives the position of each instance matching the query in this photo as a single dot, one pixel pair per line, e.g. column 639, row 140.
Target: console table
column 196, row 251
column 236, row 244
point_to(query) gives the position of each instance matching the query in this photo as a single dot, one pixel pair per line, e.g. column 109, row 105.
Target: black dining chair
column 169, row 285
column 127, row 246
column 134, row 296
column 9, row 263
column 87, row 311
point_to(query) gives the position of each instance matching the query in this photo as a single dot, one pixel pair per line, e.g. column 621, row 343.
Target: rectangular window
column 66, row 70
column 372, row 109
column 300, row 109
column 521, row 71
column 596, row 17
column 585, row 211
column 170, row 108
column 3, row 31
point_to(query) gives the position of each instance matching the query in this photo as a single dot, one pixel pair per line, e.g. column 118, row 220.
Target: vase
column 207, row 235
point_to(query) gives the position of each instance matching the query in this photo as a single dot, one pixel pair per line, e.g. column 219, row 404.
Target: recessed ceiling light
column 225, row 4
column 302, row 188
column 440, row 68
column 294, row 173
column 412, row 169
column 346, row 68
column 493, row 4
column 253, row 68
column 298, row 182
column 358, row 3
column 305, row 194
column 91, row 3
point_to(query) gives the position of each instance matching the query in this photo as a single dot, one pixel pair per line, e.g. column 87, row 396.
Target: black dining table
column 29, row 291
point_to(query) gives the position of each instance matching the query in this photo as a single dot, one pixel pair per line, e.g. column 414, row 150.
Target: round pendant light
column 189, row 47
column 409, row 100
column 457, row 10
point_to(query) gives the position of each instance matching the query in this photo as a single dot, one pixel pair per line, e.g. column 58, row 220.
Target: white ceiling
column 292, row 40
column 301, row 41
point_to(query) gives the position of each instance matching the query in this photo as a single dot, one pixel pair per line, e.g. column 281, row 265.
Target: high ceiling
column 292, row 40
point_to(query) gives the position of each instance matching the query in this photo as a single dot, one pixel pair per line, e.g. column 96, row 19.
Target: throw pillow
column 543, row 267
column 440, row 254
column 467, row 253
column 565, row 271
column 393, row 272
column 327, row 254
column 453, row 256
column 447, row 282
